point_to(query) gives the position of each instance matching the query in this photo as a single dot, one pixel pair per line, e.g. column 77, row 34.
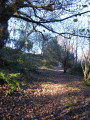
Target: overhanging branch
column 46, row 21
column 64, row 32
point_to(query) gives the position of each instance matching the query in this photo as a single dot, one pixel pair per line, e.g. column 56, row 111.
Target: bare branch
column 60, row 20
column 38, row 22
column 64, row 32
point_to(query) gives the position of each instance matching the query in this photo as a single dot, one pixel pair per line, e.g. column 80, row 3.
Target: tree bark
column 64, row 70
column 86, row 70
column 65, row 67
column 3, row 30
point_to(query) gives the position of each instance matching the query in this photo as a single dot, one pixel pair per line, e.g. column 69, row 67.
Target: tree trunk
column 86, row 70
column 3, row 30
column 65, row 67
column 64, row 70
column 3, row 23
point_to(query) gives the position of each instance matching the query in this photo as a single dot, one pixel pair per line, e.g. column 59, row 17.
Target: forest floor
column 52, row 95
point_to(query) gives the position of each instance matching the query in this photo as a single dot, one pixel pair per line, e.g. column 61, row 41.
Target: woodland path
column 52, row 95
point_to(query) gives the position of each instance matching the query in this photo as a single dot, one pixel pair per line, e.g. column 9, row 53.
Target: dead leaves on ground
column 46, row 101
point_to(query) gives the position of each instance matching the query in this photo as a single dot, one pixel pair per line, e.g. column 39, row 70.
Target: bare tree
column 60, row 54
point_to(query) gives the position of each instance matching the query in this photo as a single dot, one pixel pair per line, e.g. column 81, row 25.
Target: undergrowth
column 11, row 80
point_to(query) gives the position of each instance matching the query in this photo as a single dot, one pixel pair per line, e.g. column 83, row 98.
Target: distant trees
column 60, row 54
column 23, row 42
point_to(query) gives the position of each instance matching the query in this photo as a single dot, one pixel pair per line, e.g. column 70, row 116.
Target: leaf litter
column 58, row 96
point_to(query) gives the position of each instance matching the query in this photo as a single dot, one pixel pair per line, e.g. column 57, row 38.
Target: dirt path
column 52, row 96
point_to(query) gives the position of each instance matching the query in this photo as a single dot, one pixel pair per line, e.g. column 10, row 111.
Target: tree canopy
column 38, row 12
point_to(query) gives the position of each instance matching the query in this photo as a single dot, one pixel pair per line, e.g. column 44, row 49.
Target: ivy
column 85, row 5
column 75, row 20
column 82, row 30
column 73, row 33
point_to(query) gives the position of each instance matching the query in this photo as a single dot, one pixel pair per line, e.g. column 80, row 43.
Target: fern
column 10, row 79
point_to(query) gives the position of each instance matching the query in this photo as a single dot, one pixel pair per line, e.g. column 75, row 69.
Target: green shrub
column 76, row 69
column 51, row 64
column 10, row 79
column 17, row 61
